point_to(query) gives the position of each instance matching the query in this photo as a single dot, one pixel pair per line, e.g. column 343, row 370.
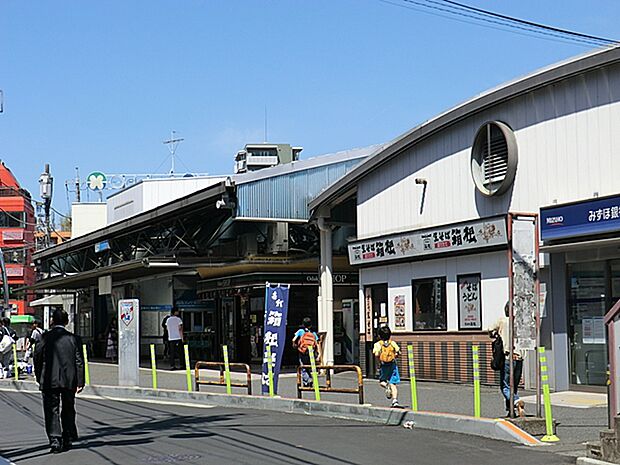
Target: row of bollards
column 549, row 437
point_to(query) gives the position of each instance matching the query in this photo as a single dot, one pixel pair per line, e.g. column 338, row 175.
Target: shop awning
column 51, row 300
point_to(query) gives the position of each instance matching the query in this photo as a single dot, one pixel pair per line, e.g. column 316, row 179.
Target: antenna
column 172, row 144
column 77, row 185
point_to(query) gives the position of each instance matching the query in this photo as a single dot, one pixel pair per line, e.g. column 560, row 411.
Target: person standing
column 174, row 324
column 111, row 350
column 501, row 329
column 36, row 334
column 165, row 335
column 6, row 357
column 303, row 339
column 59, row 369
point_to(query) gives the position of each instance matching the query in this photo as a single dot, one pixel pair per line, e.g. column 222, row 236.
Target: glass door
column 588, row 303
column 377, row 316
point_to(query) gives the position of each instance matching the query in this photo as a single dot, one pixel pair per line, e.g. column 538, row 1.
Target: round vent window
column 494, row 158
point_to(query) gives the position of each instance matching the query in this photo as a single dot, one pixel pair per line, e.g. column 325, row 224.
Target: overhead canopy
column 50, row 300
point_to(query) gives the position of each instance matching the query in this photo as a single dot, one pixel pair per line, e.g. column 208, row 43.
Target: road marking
column 119, row 399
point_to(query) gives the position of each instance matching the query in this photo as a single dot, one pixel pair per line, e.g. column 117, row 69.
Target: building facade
column 447, row 224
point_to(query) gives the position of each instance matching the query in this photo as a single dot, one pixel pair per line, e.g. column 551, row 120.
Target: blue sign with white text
column 276, row 309
column 580, row 219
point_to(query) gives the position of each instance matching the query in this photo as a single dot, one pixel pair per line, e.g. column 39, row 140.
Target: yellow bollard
column 227, row 370
column 315, row 376
column 15, row 368
column 544, row 378
column 270, row 371
column 476, row 369
column 412, row 382
column 153, row 366
column 188, row 370
column 86, row 370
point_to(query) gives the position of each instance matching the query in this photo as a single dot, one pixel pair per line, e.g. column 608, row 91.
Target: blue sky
column 99, row 85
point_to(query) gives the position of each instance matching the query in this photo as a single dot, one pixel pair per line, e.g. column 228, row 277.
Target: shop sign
column 470, row 308
column 128, row 342
column 8, row 236
column 276, row 309
column 399, row 312
column 443, row 239
column 581, row 218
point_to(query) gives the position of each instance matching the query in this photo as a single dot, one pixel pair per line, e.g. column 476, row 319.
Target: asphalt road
column 127, row 433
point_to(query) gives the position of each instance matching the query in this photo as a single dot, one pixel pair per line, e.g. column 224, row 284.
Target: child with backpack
column 304, row 339
column 386, row 351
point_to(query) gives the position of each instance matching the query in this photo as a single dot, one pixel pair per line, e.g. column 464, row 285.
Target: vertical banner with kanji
column 276, row 308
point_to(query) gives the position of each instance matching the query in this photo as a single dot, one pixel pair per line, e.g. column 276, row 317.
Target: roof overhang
column 171, row 209
column 543, row 77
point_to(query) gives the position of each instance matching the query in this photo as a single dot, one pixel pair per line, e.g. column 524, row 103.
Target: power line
column 456, row 11
column 531, row 23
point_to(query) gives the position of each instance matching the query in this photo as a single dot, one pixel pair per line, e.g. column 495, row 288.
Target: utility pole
column 172, row 144
column 5, row 279
column 77, row 185
column 46, row 188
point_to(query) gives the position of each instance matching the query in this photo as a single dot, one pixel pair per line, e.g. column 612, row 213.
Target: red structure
column 16, row 238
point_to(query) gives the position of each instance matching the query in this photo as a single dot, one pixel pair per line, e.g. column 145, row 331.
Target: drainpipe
column 326, row 292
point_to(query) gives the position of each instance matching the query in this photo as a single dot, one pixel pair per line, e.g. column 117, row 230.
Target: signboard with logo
column 470, row 302
column 276, row 309
column 128, row 342
column 593, row 216
column 483, row 233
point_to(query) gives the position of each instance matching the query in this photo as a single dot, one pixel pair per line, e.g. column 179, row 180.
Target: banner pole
column 544, row 378
column 153, row 366
column 86, row 369
column 412, row 382
column 315, row 376
column 270, row 371
column 476, row 369
column 188, row 370
column 227, row 370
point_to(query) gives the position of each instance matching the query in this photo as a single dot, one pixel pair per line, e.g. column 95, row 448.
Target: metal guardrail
column 328, row 380
column 222, row 381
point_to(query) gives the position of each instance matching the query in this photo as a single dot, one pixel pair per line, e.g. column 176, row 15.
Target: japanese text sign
column 470, row 311
column 442, row 239
column 276, row 309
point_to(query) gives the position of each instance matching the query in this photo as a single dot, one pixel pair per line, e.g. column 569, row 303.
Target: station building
column 511, row 196
column 208, row 246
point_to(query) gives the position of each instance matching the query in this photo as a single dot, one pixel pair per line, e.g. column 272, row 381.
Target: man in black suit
column 59, row 368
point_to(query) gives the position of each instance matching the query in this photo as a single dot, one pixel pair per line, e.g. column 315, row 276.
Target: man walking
column 175, row 337
column 59, row 368
column 6, row 355
column 303, row 340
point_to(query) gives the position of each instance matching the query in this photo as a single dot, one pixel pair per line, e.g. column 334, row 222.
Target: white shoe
column 388, row 391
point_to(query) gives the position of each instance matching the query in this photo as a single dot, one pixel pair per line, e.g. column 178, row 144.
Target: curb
column 589, row 461
column 486, row 427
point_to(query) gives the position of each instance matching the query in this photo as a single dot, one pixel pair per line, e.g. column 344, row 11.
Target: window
column 429, row 304
column 15, row 256
column 494, row 158
column 12, row 219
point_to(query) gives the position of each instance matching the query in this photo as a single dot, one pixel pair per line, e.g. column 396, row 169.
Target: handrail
column 222, row 380
column 328, row 381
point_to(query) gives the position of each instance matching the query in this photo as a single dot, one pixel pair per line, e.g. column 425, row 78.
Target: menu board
column 470, row 307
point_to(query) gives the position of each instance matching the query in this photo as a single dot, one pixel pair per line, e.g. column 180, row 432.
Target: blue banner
column 596, row 216
column 276, row 309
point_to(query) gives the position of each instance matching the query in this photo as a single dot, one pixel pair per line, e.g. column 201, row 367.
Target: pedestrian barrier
column 412, row 382
column 544, row 377
column 270, row 371
column 476, row 370
column 328, row 380
column 188, row 370
column 222, row 380
column 15, row 364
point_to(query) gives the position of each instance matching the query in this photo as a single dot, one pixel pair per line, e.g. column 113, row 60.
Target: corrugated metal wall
column 287, row 196
column 568, row 149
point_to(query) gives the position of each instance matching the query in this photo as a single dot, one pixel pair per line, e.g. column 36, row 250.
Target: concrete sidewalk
column 576, row 425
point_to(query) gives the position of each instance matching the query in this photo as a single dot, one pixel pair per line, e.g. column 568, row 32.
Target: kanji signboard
column 477, row 234
column 276, row 308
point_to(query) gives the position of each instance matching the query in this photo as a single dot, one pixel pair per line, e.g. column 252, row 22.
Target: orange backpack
column 306, row 340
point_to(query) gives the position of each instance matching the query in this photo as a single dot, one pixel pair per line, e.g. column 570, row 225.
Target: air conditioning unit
column 277, row 238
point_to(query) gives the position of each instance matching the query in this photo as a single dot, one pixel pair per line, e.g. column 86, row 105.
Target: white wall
column 87, row 217
column 568, row 141
column 494, row 285
column 152, row 193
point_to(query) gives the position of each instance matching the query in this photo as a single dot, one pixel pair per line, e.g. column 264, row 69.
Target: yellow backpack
column 388, row 352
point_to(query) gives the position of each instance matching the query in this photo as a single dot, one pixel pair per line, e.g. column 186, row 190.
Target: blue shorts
column 389, row 372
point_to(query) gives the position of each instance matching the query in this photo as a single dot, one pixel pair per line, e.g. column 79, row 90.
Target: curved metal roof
column 511, row 89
